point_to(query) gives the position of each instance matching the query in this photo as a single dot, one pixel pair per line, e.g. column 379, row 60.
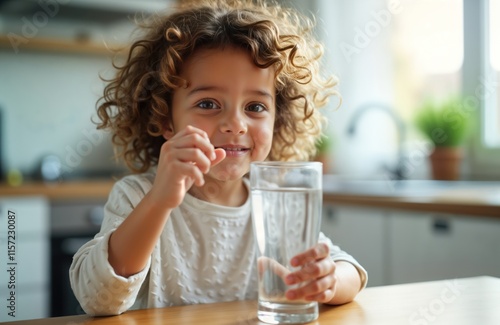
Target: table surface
column 455, row 301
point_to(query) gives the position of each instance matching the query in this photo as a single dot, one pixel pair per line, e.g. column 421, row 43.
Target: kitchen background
column 390, row 56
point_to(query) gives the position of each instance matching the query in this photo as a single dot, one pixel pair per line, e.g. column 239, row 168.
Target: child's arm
column 183, row 160
column 329, row 282
column 131, row 244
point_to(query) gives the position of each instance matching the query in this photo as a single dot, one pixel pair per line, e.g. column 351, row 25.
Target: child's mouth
column 233, row 150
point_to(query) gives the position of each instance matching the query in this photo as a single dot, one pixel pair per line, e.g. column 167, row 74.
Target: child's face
column 233, row 101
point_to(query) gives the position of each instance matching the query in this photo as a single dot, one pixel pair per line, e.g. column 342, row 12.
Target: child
column 207, row 90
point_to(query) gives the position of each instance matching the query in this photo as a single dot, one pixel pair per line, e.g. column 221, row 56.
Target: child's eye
column 256, row 108
column 207, row 104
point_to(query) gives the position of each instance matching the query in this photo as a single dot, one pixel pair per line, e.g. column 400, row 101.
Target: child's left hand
column 318, row 271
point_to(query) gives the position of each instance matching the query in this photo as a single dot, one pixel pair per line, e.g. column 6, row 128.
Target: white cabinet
column 433, row 246
column 398, row 246
column 27, row 258
column 361, row 232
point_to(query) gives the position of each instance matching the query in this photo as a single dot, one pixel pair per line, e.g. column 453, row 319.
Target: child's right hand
column 184, row 159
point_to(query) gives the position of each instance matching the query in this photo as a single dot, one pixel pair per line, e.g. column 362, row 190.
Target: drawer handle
column 441, row 226
column 330, row 214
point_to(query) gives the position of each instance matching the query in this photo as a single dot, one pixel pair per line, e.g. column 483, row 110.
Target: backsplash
column 47, row 101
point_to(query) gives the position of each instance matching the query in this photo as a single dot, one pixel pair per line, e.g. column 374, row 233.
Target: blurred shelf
column 68, row 46
column 95, row 189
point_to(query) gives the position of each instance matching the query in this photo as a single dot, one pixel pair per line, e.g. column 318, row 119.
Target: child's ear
column 168, row 132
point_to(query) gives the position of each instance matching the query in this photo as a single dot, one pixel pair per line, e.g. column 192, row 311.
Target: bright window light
column 491, row 116
column 494, row 31
column 433, row 34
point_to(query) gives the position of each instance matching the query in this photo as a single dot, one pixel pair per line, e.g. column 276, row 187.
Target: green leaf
column 446, row 124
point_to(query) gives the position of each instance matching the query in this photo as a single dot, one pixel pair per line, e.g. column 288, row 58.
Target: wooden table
column 455, row 301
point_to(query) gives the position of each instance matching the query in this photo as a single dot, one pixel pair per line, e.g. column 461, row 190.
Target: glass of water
column 286, row 213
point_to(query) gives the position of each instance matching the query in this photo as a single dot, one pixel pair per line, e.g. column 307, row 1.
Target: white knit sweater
column 206, row 253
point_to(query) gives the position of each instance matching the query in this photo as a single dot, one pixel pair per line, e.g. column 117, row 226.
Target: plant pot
column 446, row 162
column 325, row 160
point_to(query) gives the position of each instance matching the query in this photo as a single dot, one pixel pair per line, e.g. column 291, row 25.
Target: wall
column 357, row 40
column 48, row 97
column 48, row 100
column 356, row 36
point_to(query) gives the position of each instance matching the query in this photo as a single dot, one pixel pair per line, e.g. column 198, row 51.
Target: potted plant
column 447, row 126
column 323, row 150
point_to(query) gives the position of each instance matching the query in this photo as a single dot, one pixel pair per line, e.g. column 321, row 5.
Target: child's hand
column 184, row 159
column 318, row 273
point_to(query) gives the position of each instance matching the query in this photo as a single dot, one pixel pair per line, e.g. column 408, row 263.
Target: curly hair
column 136, row 105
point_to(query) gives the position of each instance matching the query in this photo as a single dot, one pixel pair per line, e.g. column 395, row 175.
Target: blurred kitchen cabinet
column 73, row 223
column 29, row 260
column 433, row 246
column 361, row 232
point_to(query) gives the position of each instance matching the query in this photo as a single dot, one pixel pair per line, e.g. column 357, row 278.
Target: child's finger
column 265, row 263
column 194, row 137
column 195, row 140
column 322, row 297
column 312, row 289
column 191, row 129
column 311, row 271
column 191, row 171
column 318, row 252
column 195, row 157
column 220, row 154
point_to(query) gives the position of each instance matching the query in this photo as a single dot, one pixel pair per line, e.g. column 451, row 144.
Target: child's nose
column 234, row 123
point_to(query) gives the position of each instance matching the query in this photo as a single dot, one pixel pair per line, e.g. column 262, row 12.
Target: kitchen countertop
column 474, row 198
column 81, row 189
column 460, row 197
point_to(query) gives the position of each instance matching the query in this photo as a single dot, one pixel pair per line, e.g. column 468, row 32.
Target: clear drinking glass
column 286, row 212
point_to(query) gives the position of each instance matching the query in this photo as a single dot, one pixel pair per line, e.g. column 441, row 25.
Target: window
column 481, row 82
column 428, row 46
column 491, row 116
column 450, row 47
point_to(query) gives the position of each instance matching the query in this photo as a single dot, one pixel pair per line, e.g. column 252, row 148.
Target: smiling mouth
column 233, row 150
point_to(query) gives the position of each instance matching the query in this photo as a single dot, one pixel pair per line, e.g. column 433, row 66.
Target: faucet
column 397, row 172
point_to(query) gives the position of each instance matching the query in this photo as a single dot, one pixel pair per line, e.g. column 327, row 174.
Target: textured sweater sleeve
column 338, row 254
column 96, row 286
